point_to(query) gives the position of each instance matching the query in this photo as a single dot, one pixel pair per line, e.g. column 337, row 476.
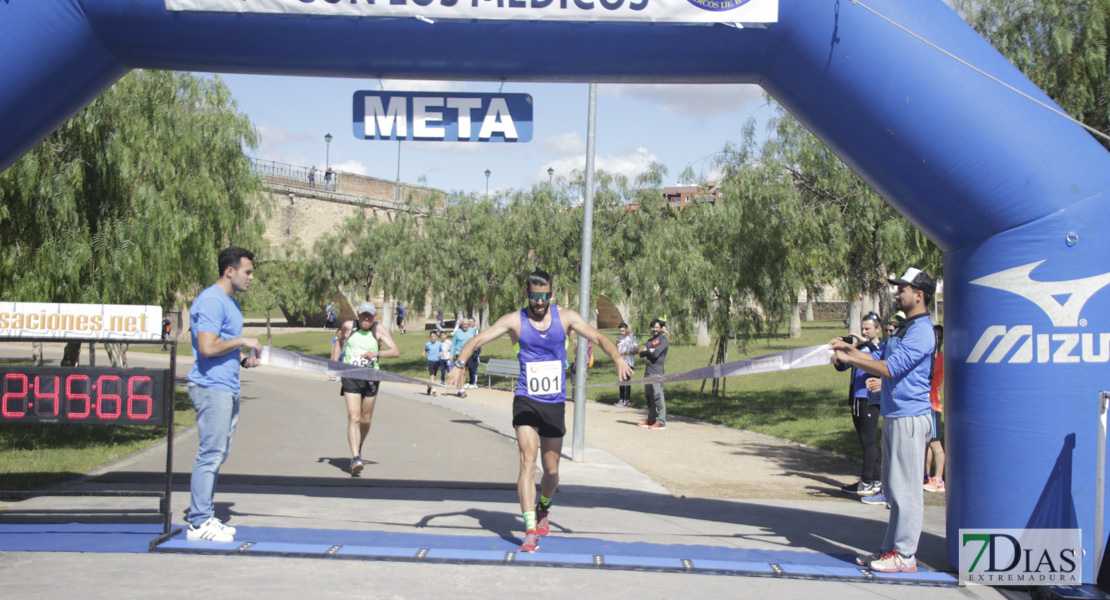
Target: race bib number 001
column 544, row 378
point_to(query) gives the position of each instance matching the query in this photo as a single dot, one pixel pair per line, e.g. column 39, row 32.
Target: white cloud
column 351, row 166
column 695, row 100
column 630, row 163
column 564, row 143
column 272, row 136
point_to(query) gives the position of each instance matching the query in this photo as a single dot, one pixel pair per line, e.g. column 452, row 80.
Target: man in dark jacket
column 865, row 410
column 655, row 351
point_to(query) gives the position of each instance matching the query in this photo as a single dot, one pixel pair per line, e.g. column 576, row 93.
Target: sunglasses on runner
column 539, row 296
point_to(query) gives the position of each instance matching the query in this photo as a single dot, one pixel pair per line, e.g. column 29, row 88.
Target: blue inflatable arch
column 1014, row 194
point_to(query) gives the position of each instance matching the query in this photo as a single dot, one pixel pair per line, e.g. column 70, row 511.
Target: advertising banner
column 652, row 11
column 106, row 322
column 443, row 116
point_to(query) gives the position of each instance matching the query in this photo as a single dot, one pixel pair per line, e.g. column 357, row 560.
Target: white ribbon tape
column 811, row 356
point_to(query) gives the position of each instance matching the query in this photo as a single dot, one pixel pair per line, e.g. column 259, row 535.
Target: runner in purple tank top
column 540, row 400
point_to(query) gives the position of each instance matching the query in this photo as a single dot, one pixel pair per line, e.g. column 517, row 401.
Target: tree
column 1060, row 45
column 130, row 201
column 284, row 278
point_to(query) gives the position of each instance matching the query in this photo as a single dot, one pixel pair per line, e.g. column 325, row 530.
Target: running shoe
column 356, row 466
column 543, row 527
column 893, row 562
column 623, row 403
column 531, row 541
column 876, row 499
column 209, row 531
column 657, row 426
column 934, row 485
column 865, row 559
column 860, row 488
column 644, row 424
column 462, row 394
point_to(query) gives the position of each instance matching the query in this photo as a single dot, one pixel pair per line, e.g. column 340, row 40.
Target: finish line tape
column 799, row 358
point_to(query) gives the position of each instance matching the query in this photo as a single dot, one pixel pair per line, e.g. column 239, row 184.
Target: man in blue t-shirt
column 461, row 336
column 905, row 369
column 539, row 403
column 216, row 325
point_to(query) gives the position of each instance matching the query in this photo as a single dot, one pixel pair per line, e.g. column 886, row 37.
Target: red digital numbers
column 132, row 398
column 104, row 397
column 21, row 397
column 38, row 394
column 73, row 395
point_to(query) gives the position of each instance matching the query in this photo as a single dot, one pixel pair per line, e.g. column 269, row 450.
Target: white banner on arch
column 651, row 11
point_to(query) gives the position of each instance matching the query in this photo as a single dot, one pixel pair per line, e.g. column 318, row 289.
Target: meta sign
column 443, row 117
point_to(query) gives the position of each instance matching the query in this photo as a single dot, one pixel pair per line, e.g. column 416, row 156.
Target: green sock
column 529, row 520
column 544, row 504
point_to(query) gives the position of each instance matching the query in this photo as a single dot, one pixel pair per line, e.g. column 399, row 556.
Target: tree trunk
column 796, row 322
column 854, row 325
column 269, row 336
column 71, row 355
column 703, row 334
column 36, row 353
column 809, row 305
column 92, row 354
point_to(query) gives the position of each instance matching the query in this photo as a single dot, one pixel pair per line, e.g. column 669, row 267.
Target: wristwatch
column 460, row 364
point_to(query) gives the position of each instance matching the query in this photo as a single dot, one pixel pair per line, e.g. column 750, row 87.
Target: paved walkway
column 447, row 466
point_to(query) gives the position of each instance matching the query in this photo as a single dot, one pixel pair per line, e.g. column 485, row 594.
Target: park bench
column 502, row 367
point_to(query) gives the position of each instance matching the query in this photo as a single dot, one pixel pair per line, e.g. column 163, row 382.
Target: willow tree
column 130, row 201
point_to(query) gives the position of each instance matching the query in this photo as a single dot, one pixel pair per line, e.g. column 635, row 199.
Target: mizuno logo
column 1062, row 301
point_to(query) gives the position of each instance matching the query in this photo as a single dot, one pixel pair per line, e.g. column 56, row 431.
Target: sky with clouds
column 674, row 125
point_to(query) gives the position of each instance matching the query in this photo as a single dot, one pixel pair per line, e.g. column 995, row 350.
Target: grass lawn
column 34, row 455
column 806, row 405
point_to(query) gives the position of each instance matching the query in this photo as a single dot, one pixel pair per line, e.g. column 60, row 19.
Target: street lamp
column 487, row 183
column 327, row 158
column 550, row 174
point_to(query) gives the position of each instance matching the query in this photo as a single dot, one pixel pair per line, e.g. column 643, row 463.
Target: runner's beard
column 537, row 313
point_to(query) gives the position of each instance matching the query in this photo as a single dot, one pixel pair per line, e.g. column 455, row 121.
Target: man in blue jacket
column 905, row 368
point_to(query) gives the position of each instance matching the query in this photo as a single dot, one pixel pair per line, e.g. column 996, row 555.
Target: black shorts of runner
column 359, row 386
column 433, row 367
column 550, row 419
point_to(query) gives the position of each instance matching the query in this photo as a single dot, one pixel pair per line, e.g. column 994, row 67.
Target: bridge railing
column 295, row 175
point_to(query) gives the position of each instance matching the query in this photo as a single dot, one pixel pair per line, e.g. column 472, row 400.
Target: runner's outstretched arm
column 575, row 322
column 501, row 327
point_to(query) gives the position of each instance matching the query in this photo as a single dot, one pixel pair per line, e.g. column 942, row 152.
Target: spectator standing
column 312, row 176
column 655, row 351
column 440, row 325
column 431, row 355
column 934, row 453
column 628, row 346
column 216, row 327
column 329, row 175
column 463, row 335
column 167, row 328
column 444, row 356
column 329, row 310
column 905, row 369
column 472, row 364
column 864, row 405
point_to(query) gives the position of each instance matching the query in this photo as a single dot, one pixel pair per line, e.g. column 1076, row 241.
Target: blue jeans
column 217, row 414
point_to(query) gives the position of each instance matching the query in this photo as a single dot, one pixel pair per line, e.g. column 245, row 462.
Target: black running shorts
column 549, row 419
column 433, row 367
column 359, row 386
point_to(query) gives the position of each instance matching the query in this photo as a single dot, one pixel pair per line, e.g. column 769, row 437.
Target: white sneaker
column 210, row 531
column 225, row 526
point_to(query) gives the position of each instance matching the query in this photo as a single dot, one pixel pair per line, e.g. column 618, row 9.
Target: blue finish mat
column 487, row 549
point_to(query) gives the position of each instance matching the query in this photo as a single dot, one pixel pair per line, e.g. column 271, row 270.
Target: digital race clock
column 82, row 395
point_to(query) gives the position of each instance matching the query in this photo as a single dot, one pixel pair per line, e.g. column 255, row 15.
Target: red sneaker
column 531, row 541
column 657, row 426
column 543, row 527
column 644, row 424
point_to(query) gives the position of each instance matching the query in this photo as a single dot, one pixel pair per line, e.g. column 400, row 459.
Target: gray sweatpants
column 904, row 440
column 657, row 406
